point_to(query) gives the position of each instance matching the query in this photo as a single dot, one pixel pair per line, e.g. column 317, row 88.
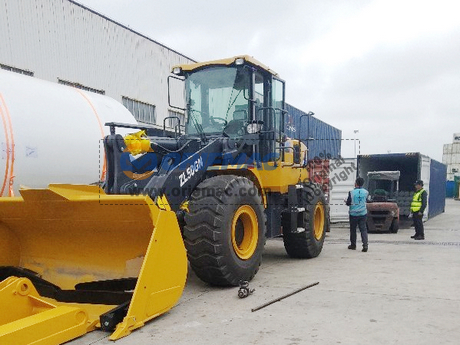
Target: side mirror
column 176, row 92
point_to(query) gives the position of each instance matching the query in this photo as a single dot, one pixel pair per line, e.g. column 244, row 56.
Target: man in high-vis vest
column 417, row 207
column 356, row 201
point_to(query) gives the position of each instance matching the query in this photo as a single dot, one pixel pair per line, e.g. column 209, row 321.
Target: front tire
column 225, row 230
column 309, row 242
column 394, row 226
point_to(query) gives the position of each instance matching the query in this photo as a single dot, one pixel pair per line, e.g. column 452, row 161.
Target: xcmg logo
column 139, row 168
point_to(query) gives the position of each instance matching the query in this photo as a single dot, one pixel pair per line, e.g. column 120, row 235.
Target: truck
column 113, row 256
column 412, row 166
column 382, row 209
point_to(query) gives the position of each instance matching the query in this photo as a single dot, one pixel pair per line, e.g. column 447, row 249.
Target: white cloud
column 386, row 67
column 382, row 22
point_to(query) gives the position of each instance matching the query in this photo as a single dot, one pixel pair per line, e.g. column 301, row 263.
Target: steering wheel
column 218, row 121
column 235, row 127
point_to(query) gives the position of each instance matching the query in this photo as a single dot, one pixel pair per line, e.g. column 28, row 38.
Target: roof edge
column 226, row 62
column 127, row 28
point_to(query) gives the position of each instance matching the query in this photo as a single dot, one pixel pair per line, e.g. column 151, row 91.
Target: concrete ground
column 400, row 292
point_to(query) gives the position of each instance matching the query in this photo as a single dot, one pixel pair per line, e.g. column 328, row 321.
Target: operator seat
column 236, row 127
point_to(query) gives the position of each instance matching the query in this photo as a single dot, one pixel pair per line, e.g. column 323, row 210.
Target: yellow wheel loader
column 75, row 258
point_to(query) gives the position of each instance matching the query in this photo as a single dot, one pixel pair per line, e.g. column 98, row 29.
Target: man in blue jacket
column 358, row 213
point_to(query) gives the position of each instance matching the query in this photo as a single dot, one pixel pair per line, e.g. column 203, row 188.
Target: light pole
column 355, row 131
column 309, row 115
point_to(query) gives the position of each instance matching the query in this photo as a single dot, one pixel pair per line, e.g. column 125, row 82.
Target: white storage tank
column 51, row 133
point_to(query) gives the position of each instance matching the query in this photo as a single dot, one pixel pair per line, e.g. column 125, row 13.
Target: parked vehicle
column 412, row 166
column 382, row 209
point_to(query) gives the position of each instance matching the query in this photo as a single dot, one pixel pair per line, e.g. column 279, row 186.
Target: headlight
column 177, row 70
column 254, row 127
column 239, row 61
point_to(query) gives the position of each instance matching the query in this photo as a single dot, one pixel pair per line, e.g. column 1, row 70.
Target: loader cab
column 233, row 98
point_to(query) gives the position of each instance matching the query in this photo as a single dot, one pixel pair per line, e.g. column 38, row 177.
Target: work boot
column 352, row 246
column 413, row 236
column 364, row 249
column 419, row 237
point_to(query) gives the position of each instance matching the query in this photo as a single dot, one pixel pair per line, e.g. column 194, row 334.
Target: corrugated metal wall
column 62, row 39
column 437, row 188
column 451, row 157
column 323, row 140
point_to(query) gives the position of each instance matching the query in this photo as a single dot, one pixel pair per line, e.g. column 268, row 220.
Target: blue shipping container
column 413, row 166
column 437, row 192
column 323, row 140
column 450, row 189
column 457, row 187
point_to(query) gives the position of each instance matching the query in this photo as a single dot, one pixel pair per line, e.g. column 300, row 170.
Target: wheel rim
column 318, row 220
column 245, row 232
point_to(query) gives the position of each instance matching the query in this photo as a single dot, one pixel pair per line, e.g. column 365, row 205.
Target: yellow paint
column 185, row 206
column 273, row 176
column 245, row 232
column 224, row 62
column 163, row 203
column 31, row 319
column 277, row 178
column 9, row 247
column 73, row 234
column 162, row 277
column 318, row 220
column 137, row 143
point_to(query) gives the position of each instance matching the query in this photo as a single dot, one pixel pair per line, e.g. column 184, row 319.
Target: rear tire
column 309, row 243
column 225, row 230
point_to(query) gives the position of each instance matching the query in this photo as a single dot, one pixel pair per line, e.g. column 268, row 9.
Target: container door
column 425, row 163
column 342, row 180
column 437, row 191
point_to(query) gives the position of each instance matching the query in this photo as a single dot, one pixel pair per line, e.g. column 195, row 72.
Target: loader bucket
column 73, row 259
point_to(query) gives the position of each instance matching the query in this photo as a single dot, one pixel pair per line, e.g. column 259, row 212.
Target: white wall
column 342, row 180
column 451, row 157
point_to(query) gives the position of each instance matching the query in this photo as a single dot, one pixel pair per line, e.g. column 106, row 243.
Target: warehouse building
column 65, row 42
column 451, row 158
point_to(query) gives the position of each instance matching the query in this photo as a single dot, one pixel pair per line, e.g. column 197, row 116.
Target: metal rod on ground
column 283, row 297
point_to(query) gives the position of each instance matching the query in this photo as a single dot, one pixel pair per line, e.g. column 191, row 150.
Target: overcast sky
column 388, row 68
